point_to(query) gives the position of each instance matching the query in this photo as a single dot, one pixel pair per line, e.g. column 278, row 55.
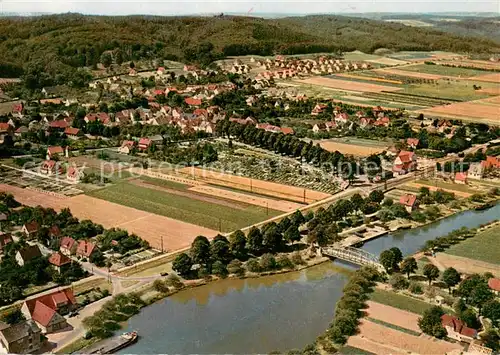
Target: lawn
column 351, row 350
column 393, row 326
column 461, row 90
column 484, row 246
column 442, row 70
column 183, row 208
column 399, row 301
column 447, row 186
column 77, row 345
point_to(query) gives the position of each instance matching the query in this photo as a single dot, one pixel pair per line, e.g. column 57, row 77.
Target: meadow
column 483, row 247
column 443, row 70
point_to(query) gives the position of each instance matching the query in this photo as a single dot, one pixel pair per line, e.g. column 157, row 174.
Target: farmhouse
column 68, row 246
column 412, row 142
column 494, row 285
column 74, row 174
column 457, row 329
column 126, row 147
column 59, row 261
column 26, row 254
column 50, row 167
column 54, row 151
column 85, row 249
column 405, row 162
column 48, row 310
column 144, row 144
column 319, row 108
column 20, row 338
column 5, row 238
column 73, row 133
column 409, row 201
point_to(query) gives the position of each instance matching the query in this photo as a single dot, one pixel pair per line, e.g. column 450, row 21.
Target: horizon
column 210, row 7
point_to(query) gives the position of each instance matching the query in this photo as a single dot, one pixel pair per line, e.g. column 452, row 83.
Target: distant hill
column 58, row 43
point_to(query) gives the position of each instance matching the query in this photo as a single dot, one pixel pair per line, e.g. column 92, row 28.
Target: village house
column 457, row 329
column 54, row 151
column 5, row 238
column 48, row 310
column 318, row 109
column 49, row 91
column 17, row 109
column 68, row 246
column 26, row 254
column 74, row 174
column 19, row 132
column 124, row 117
column 59, row 261
column 405, row 162
column 412, row 143
column 461, row 178
column 341, row 118
column 287, row 130
column 382, row 122
column 20, row 338
column 475, row 171
column 494, row 285
column 50, row 167
column 191, row 101
column 73, row 133
column 365, row 122
column 126, row 147
column 85, row 249
column 409, row 201
column 30, row 229
column 491, row 162
column 144, row 144
column 6, row 130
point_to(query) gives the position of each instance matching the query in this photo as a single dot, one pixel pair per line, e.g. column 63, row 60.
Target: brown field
column 478, row 64
column 257, row 186
column 486, row 110
column 490, row 91
column 91, row 162
column 466, row 265
column 369, row 78
column 491, row 78
column 348, row 85
column 363, row 105
column 408, row 73
column 351, row 149
column 151, row 227
column 384, row 340
column 279, row 205
column 388, row 314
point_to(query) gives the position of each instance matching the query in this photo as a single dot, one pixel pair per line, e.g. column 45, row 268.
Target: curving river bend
column 278, row 312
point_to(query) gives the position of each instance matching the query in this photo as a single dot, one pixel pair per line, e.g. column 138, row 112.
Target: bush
column 398, row 282
column 236, row 267
column 160, row 286
column 284, row 262
column 296, row 258
column 415, row 288
column 219, row 269
column 174, row 281
column 253, row 265
column 267, row 262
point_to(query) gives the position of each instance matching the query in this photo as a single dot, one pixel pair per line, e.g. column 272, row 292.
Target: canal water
column 278, row 312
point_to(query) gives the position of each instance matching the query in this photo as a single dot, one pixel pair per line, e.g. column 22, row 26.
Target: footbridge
column 353, row 255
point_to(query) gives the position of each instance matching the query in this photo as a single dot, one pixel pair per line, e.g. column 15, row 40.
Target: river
column 278, row 312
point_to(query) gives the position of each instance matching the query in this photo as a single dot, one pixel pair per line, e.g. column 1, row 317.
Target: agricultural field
column 492, row 78
column 412, row 23
column 461, row 90
column 442, row 70
column 347, row 85
column 480, row 247
column 178, row 202
column 485, row 111
column 353, row 146
column 399, row 301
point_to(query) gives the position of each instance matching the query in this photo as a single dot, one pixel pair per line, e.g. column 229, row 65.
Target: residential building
column 50, row 167
column 5, row 238
column 412, row 142
column 457, row 329
column 409, row 201
column 192, row 101
column 475, row 171
column 73, row 133
column 494, row 285
column 85, row 249
column 30, row 229
column 54, row 151
column 48, row 309
column 460, row 178
column 59, row 261
column 405, row 162
column 74, row 174
column 5, row 130
column 126, row 147
column 68, row 246
column 144, row 144
column 21, row 338
column 26, row 254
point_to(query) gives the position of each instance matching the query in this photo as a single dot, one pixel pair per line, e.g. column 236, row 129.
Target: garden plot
column 442, row 70
column 356, row 147
column 347, row 85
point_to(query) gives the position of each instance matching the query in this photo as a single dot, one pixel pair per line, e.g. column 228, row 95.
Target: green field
column 399, row 301
column 461, row 90
column 393, row 326
column 442, row 70
column 351, row 350
column 183, row 208
column 447, row 186
column 484, row 246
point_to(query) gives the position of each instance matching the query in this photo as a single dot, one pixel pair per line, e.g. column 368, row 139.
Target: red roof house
column 72, row 132
column 59, row 261
column 412, row 142
column 53, row 151
column 68, row 246
column 409, row 201
column 49, row 167
column 30, row 228
column 59, row 124
column 126, row 147
column 494, row 284
column 144, row 143
column 491, row 162
column 5, row 238
column 85, row 249
column 192, row 101
column 287, row 130
column 405, row 162
column 47, row 310
column 461, row 178
column 457, row 329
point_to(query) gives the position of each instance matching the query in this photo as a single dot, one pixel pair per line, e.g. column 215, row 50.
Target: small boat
column 112, row 345
column 485, row 206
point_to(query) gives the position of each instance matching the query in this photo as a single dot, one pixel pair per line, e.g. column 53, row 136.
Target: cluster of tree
column 440, row 196
column 120, row 241
column 350, row 307
column 222, row 255
column 290, row 145
column 195, row 154
column 448, row 240
column 104, row 322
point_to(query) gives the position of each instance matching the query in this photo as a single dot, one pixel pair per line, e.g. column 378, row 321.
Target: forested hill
column 59, row 43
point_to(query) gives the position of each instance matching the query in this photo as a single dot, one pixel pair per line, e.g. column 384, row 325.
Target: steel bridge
column 353, row 255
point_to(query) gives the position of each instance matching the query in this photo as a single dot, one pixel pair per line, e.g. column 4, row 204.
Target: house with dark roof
column 5, row 238
column 458, row 329
column 68, row 246
column 26, row 254
column 85, row 249
column 59, row 261
column 48, row 309
column 20, row 338
column 30, row 229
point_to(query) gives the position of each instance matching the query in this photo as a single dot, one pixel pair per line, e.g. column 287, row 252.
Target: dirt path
column 466, row 265
column 188, row 194
column 278, row 205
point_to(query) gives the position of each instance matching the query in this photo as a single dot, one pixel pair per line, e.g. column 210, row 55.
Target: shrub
column 219, row 269
column 174, row 281
column 296, row 258
column 160, row 286
column 236, row 267
column 253, row 265
column 415, row 288
column 284, row 262
column 398, row 282
column 267, row 262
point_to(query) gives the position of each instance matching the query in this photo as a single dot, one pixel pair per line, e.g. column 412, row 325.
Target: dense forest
column 57, row 44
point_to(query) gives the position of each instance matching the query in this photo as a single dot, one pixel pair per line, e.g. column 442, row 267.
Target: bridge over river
column 353, row 255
